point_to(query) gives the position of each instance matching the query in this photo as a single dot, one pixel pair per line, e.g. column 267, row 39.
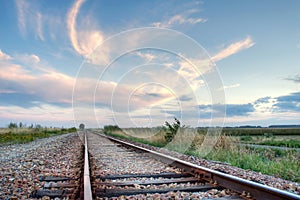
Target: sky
column 141, row 63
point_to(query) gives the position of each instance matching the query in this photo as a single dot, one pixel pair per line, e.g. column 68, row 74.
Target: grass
column 282, row 143
column 122, row 135
column 279, row 163
column 23, row 135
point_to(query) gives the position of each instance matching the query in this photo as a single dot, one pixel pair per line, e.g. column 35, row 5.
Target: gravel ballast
column 22, row 165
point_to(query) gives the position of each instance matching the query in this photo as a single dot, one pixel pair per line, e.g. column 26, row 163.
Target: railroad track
column 114, row 169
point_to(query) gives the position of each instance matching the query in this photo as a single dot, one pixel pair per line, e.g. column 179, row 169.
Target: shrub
column 111, row 128
column 171, row 129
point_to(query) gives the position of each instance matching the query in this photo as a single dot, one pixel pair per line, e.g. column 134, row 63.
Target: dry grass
column 148, row 134
column 15, row 130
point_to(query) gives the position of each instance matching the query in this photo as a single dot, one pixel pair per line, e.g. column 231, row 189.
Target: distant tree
column 38, row 127
column 12, row 125
column 20, row 125
column 81, row 126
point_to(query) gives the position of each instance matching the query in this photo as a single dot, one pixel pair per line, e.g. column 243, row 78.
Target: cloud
column 4, row 56
column 51, row 87
column 287, row 103
column 231, row 109
column 87, row 38
column 293, row 97
column 27, row 59
column 25, row 76
column 262, row 100
column 231, row 86
column 233, row 49
column 29, row 18
column 179, row 19
column 147, row 56
column 44, row 114
column 6, row 91
column 239, row 109
column 295, row 78
column 22, row 7
column 185, row 98
column 205, row 111
column 39, row 26
column 71, row 22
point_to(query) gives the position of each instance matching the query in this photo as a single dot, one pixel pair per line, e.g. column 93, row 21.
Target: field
column 276, row 162
column 23, row 135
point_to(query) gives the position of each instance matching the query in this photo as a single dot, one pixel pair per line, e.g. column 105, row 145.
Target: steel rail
column 248, row 189
column 86, row 173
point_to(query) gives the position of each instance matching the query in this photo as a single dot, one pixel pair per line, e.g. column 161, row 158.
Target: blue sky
column 57, row 68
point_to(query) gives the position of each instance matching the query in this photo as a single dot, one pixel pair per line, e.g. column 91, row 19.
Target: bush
column 111, row 128
column 171, row 129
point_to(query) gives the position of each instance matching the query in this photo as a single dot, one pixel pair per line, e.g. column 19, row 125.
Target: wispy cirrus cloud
column 234, row 48
column 84, row 40
column 29, row 18
column 22, row 7
column 39, row 28
column 179, row 19
column 71, row 22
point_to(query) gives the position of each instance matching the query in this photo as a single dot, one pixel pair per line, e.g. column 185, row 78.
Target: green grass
column 279, row 163
column 23, row 136
column 246, row 138
column 282, row 143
